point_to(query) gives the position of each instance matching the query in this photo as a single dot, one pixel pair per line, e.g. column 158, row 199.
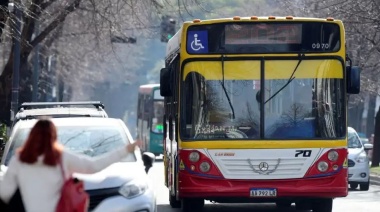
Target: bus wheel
column 323, row 205
column 192, row 204
column 174, row 203
column 283, row 204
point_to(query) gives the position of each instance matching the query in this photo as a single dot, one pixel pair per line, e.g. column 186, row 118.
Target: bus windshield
column 158, row 116
column 310, row 106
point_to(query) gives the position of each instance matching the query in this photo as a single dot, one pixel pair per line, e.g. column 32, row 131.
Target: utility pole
column 15, row 8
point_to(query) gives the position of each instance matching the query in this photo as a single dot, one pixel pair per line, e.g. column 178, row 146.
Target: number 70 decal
column 302, row 153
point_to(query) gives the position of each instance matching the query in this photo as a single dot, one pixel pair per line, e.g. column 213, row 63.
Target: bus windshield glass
column 311, row 106
column 263, row 37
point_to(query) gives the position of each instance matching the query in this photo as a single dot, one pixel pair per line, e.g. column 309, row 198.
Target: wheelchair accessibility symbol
column 197, row 42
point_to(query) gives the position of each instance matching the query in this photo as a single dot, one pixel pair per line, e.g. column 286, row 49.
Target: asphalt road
column 368, row 201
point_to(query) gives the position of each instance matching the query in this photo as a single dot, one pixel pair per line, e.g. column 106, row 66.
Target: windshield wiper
column 225, row 91
column 291, row 78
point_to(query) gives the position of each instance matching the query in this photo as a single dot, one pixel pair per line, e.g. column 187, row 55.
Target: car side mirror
column 148, row 159
column 353, row 79
column 165, row 82
column 368, row 146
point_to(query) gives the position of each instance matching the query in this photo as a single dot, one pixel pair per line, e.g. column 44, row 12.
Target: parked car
column 123, row 186
column 34, row 110
column 358, row 163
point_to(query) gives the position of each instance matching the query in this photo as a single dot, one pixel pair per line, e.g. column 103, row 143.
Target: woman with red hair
column 35, row 168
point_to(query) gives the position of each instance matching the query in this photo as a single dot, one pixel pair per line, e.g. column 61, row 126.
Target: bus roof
column 174, row 43
column 148, row 88
column 258, row 18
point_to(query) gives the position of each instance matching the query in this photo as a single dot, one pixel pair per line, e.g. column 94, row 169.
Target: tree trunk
column 371, row 115
column 376, row 142
column 5, row 91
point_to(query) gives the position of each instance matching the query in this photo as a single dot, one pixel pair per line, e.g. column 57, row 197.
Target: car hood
column 113, row 176
column 353, row 152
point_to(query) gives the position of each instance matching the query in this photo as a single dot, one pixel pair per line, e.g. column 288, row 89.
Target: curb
column 375, row 179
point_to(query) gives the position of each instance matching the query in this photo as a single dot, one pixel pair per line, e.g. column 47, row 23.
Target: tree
column 101, row 19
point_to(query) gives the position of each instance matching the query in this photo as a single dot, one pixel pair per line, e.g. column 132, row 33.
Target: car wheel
column 364, row 186
column 192, row 204
column 322, row 205
column 354, row 185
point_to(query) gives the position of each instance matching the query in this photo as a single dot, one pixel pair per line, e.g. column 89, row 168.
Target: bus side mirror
column 165, row 83
column 353, row 80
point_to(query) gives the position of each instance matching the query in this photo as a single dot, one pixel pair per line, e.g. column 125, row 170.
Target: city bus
column 150, row 111
column 256, row 111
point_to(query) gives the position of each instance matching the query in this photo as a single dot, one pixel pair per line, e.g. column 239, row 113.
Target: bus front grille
column 276, row 168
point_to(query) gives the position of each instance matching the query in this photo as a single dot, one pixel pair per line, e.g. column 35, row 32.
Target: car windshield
column 89, row 140
column 353, row 140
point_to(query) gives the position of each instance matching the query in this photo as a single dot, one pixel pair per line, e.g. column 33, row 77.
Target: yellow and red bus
column 255, row 111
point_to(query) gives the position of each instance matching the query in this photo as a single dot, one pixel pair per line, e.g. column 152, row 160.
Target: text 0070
column 266, row 192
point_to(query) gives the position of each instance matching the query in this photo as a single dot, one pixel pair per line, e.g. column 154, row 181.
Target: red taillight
column 331, row 160
column 203, row 167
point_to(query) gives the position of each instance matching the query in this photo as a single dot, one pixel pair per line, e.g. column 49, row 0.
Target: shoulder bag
column 73, row 196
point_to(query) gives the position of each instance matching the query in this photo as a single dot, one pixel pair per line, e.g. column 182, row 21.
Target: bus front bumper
column 191, row 186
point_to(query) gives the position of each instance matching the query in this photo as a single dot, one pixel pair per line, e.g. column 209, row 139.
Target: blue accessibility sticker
column 197, row 42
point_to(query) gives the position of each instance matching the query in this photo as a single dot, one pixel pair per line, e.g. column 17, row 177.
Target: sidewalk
column 374, row 175
column 375, row 179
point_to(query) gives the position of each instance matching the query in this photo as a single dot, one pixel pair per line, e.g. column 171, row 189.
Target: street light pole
column 16, row 57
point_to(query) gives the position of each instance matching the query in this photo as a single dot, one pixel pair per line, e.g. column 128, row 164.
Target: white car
column 123, row 186
column 358, row 163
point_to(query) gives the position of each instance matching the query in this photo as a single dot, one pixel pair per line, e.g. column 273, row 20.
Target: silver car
column 123, row 186
column 358, row 163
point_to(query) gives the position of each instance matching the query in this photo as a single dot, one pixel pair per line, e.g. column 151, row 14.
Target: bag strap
column 62, row 170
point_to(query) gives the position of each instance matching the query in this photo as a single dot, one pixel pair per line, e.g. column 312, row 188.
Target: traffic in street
column 189, row 106
column 366, row 201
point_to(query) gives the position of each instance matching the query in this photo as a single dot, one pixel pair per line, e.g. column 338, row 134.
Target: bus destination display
column 265, row 37
column 263, row 34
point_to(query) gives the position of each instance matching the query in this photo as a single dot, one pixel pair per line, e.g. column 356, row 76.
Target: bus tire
column 192, row 204
column 174, row 203
column 322, row 205
column 283, row 204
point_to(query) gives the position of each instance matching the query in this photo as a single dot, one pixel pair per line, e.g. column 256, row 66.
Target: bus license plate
column 263, row 192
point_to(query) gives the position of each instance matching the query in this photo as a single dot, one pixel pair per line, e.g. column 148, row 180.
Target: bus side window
column 139, row 107
column 170, row 127
column 147, row 102
column 165, row 127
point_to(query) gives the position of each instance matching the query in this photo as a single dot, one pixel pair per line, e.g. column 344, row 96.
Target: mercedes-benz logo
column 263, row 166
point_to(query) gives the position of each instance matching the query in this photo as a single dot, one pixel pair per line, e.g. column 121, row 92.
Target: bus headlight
column 194, row 157
column 205, row 167
column 333, row 155
column 323, row 166
column 133, row 189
